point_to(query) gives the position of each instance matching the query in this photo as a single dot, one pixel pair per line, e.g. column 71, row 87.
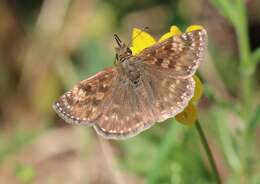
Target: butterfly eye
column 129, row 50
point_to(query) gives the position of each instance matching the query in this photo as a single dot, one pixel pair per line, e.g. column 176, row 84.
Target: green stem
column 256, row 56
column 246, row 66
column 237, row 14
column 208, row 151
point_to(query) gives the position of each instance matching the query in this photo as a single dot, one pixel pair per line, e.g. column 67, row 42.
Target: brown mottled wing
column 128, row 114
column 133, row 109
column 170, row 94
column 83, row 103
column 179, row 55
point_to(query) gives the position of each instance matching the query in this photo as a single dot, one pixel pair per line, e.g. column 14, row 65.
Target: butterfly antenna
column 118, row 41
column 142, row 30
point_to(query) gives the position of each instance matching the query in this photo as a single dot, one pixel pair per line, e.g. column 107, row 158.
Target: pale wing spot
column 81, row 92
column 103, row 129
column 178, row 68
column 116, row 117
column 68, row 94
column 165, row 63
column 201, row 49
column 164, row 111
column 174, row 45
column 100, row 95
column 184, row 36
column 170, row 95
column 172, row 88
column 94, row 109
column 178, row 104
column 113, row 116
column 192, row 48
column 164, row 83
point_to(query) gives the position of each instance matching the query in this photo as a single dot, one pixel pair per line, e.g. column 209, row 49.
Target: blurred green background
column 46, row 46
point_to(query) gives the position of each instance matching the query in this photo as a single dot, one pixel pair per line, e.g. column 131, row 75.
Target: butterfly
column 140, row 90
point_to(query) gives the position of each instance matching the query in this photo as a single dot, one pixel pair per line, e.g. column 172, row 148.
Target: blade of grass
column 227, row 9
column 226, row 140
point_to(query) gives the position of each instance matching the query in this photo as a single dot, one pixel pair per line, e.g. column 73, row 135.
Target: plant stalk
column 208, row 151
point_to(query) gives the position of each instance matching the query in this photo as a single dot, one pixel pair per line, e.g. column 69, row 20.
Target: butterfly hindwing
column 128, row 114
column 170, row 94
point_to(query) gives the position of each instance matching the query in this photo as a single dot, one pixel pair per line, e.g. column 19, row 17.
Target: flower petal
column 198, row 89
column 189, row 116
column 193, row 28
column 141, row 40
column 173, row 31
column 165, row 36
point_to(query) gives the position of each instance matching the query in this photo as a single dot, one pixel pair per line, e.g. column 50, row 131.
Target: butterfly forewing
column 83, row 103
column 179, row 55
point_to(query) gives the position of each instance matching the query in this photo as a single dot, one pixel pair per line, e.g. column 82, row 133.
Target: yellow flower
column 142, row 40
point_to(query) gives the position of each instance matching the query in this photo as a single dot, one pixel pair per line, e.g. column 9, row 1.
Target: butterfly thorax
column 128, row 65
column 131, row 70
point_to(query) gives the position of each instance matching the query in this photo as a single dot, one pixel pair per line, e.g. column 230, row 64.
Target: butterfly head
column 122, row 50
